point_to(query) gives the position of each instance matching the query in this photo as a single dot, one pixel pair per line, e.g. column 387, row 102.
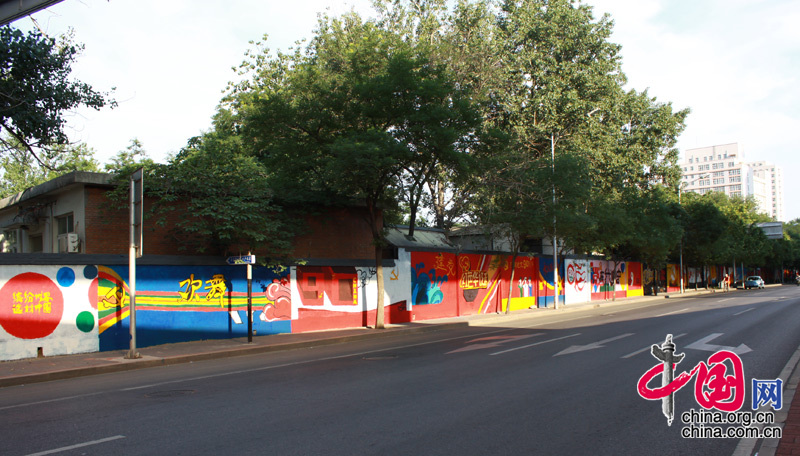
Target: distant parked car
column 753, row 282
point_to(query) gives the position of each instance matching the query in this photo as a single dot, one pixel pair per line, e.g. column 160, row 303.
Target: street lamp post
column 555, row 239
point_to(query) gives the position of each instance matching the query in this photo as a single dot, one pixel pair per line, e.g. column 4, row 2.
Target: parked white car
column 753, row 282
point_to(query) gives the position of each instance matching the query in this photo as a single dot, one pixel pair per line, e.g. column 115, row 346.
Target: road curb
column 254, row 349
column 245, row 350
column 791, row 378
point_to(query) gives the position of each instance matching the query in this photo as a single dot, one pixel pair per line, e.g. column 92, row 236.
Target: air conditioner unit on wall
column 68, row 243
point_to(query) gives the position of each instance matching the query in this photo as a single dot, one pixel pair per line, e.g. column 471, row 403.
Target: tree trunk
column 614, row 281
column 414, row 202
column 412, row 220
column 376, row 226
column 379, row 277
column 656, row 272
column 511, row 282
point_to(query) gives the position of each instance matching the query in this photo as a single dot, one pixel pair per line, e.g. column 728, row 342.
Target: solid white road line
column 673, row 312
column 78, row 445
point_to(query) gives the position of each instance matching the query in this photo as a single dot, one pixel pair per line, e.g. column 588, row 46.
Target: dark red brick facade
column 334, row 234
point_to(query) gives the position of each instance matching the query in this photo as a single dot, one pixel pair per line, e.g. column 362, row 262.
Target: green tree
column 134, row 156
column 345, row 118
column 704, row 225
column 791, row 232
column 216, row 198
column 558, row 67
column 742, row 242
column 224, row 199
column 458, row 36
column 35, row 90
column 21, row 171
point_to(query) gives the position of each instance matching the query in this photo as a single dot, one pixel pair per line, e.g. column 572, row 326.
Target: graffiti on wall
column 479, row 281
column 204, row 302
column 523, row 291
column 616, row 279
column 547, row 281
column 578, row 282
column 73, row 309
column 49, row 308
column 468, row 284
column 673, row 276
column 429, row 280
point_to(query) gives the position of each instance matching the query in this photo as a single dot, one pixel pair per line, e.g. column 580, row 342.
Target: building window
column 36, row 244
column 65, row 224
column 10, row 241
column 719, row 181
column 730, row 164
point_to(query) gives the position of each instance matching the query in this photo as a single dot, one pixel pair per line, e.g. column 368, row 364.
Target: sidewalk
column 35, row 370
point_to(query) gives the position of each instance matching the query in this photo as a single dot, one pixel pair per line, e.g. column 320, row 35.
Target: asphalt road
column 561, row 383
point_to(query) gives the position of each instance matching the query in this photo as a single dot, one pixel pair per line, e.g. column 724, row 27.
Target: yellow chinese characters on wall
column 473, row 280
column 31, row 303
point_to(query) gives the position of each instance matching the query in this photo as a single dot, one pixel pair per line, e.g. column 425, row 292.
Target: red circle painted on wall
column 31, row 306
column 93, row 298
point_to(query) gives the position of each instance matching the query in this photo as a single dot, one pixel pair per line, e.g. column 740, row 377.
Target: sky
column 734, row 63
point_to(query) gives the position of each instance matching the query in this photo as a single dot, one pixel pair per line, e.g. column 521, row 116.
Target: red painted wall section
column 623, row 279
column 484, row 283
column 635, row 284
column 480, row 284
column 434, row 285
column 326, row 298
column 673, row 278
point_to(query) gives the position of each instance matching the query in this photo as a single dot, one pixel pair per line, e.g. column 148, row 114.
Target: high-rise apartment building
column 773, row 177
column 722, row 169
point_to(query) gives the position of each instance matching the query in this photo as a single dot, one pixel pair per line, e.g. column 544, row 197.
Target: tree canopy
column 36, row 91
column 20, row 170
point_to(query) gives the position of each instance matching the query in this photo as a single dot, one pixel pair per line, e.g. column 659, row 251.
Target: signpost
column 137, row 214
column 249, row 260
column 241, row 259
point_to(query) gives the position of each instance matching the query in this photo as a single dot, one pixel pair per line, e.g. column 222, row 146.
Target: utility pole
column 135, row 251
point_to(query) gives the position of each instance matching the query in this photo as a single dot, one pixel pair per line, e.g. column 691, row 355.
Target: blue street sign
column 241, row 259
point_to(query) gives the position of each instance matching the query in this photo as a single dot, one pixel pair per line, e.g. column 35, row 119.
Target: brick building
column 72, row 214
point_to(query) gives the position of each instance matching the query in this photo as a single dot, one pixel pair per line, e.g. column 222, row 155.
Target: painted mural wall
column 76, row 309
column 445, row 284
column 616, row 279
column 183, row 303
column 578, row 281
column 48, row 310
